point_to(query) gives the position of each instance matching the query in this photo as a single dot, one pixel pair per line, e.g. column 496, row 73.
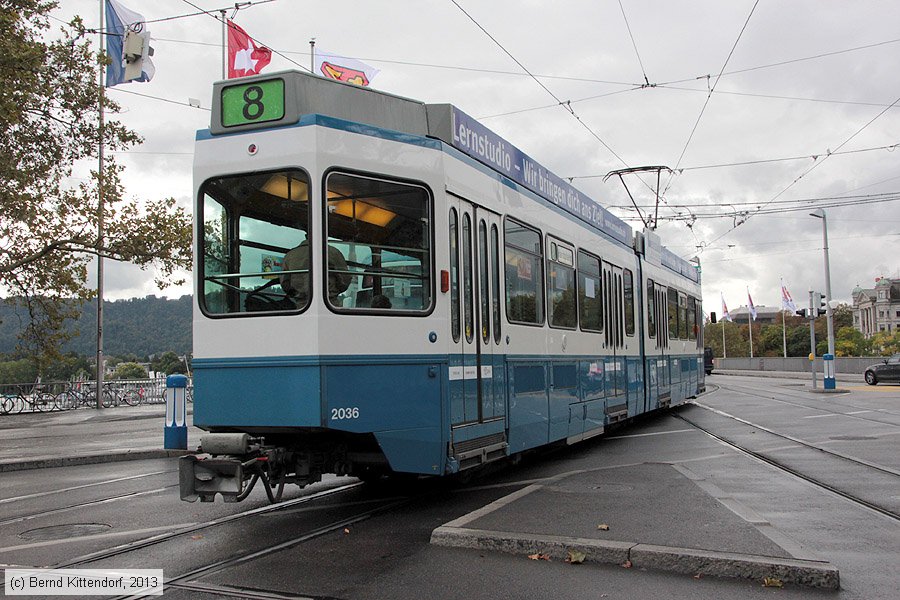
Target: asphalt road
column 342, row 539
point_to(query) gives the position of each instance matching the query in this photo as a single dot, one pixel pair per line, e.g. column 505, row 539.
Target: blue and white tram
column 388, row 286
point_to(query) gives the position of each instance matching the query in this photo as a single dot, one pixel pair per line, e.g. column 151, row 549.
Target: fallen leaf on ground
column 603, row 527
column 772, row 582
column 627, row 564
column 197, row 537
column 539, row 556
column 575, row 557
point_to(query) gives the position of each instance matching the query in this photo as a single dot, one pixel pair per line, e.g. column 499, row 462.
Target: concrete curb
column 46, row 462
column 689, row 561
column 802, row 375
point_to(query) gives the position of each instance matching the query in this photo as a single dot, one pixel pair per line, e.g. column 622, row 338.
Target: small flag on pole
column 244, row 56
column 128, row 46
column 787, row 303
column 344, row 69
column 725, row 315
column 750, row 306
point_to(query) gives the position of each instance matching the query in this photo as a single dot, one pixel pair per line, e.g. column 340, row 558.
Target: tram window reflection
column 524, row 274
column 590, row 299
column 382, row 229
column 561, row 287
column 250, row 222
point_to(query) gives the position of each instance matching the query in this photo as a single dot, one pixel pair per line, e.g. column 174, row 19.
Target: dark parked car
column 708, row 360
column 888, row 370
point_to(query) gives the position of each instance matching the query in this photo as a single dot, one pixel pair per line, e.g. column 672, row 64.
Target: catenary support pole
column 100, row 362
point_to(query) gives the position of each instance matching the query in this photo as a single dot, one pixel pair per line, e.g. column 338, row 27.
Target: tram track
column 194, row 528
column 756, row 394
column 875, row 472
column 88, row 503
column 189, row 578
column 82, row 486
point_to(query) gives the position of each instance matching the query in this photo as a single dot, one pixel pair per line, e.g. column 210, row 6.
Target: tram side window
column 561, row 286
column 672, row 301
column 382, row 228
column 454, row 274
column 590, row 297
column 495, row 281
column 682, row 317
column 483, row 283
column 628, row 285
column 692, row 318
column 250, row 222
column 524, row 273
column 699, row 324
column 651, row 308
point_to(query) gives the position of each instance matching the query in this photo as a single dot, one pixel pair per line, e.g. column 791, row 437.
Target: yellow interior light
column 287, row 188
column 364, row 212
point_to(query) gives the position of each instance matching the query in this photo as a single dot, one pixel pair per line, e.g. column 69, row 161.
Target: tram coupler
column 221, row 469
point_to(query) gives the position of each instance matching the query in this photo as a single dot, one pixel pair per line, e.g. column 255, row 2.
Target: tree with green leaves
column 168, row 363
column 50, row 101
column 129, row 370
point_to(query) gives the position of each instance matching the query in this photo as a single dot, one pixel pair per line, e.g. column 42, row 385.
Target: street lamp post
column 820, row 214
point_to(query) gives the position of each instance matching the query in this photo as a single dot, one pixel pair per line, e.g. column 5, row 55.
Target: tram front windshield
column 255, row 245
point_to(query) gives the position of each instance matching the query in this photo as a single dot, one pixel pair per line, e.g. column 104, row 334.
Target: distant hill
column 140, row 326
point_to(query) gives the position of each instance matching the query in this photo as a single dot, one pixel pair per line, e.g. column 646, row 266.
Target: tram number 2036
column 338, row 414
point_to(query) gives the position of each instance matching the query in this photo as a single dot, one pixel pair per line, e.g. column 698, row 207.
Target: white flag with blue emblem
column 128, row 46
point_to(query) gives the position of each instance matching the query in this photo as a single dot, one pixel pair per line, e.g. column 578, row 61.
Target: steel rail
column 796, row 473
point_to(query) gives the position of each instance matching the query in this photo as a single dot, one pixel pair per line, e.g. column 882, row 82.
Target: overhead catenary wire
column 634, row 44
column 709, row 95
column 750, row 214
column 565, row 104
column 889, row 148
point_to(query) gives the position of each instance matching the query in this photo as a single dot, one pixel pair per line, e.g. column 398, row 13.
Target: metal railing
column 52, row 396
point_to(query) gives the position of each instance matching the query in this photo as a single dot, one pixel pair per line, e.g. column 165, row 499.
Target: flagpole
column 100, row 225
column 724, row 351
column 750, row 325
column 783, row 332
column 224, row 47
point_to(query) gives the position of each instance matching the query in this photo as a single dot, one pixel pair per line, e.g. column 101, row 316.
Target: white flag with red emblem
column 244, row 56
column 750, row 305
column 343, row 68
column 787, row 303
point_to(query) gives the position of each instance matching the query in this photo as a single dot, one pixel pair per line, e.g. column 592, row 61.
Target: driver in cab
column 296, row 283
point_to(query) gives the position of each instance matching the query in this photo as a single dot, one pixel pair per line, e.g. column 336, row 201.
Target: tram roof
column 252, row 103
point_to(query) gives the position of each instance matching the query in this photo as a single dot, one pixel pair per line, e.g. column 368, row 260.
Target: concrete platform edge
column 87, row 459
column 689, row 561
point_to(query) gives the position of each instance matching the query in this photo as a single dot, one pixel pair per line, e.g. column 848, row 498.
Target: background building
column 877, row 309
column 764, row 314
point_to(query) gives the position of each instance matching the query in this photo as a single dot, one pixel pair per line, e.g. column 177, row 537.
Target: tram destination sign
column 255, row 102
column 482, row 144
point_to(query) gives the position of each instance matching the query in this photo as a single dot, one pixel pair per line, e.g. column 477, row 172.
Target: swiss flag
column 244, row 56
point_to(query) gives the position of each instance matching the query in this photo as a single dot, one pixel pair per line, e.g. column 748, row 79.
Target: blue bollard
column 175, row 432
column 828, row 362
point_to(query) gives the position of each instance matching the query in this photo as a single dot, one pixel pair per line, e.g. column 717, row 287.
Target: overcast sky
column 800, row 79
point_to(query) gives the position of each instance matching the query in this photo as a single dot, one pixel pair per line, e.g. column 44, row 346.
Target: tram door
column 658, row 346
column 476, row 382
column 614, row 336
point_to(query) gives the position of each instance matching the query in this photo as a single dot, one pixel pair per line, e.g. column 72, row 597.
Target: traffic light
column 802, row 312
column 819, row 303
